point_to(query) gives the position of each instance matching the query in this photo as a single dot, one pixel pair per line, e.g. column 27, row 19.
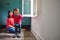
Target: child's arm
column 21, row 16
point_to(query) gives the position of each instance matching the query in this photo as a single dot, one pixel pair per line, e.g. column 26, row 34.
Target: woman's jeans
column 16, row 29
column 11, row 29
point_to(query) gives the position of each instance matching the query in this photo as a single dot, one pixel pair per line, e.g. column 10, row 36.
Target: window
column 29, row 8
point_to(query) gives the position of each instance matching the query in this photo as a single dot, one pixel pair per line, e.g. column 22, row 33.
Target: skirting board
column 37, row 37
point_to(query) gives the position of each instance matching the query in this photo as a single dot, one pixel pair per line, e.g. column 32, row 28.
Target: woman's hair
column 8, row 14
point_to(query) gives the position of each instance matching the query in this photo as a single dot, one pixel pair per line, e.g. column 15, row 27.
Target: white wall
column 36, row 20
column 46, row 24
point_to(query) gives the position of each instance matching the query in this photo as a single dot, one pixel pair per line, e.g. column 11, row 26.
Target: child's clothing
column 17, row 28
column 17, row 21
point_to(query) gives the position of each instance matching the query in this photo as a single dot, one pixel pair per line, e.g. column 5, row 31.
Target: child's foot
column 14, row 36
column 18, row 36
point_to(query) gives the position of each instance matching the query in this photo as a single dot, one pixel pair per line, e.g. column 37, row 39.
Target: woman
column 10, row 23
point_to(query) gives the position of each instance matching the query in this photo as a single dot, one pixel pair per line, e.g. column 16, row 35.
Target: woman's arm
column 10, row 25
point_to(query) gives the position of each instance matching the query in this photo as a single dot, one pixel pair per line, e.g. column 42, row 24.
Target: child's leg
column 19, row 31
column 15, row 30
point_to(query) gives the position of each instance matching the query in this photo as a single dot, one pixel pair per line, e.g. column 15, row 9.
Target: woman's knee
column 11, row 29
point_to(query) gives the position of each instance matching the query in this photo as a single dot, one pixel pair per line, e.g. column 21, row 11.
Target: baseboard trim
column 37, row 37
column 27, row 27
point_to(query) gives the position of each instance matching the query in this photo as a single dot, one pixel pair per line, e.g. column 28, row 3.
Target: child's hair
column 8, row 14
column 15, row 9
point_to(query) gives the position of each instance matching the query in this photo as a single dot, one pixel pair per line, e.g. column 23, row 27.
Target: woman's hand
column 10, row 26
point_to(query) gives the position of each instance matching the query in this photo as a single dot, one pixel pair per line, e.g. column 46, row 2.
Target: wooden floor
column 28, row 35
column 25, row 35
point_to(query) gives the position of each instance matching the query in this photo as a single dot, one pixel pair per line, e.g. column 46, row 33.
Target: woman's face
column 10, row 14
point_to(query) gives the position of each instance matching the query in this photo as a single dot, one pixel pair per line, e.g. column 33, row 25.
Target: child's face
column 10, row 13
column 16, row 12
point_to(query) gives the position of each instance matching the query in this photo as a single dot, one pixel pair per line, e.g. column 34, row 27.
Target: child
column 17, row 21
column 10, row 22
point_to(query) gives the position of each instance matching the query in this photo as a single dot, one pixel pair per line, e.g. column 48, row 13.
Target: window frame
column 30, row 15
